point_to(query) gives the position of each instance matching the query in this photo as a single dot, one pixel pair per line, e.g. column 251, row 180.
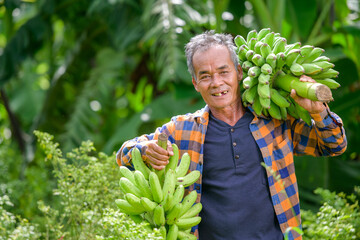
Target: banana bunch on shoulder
column 160, row 201
column 271, row 68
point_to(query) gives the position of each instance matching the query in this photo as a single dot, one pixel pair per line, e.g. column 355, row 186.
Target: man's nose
column 217, row 80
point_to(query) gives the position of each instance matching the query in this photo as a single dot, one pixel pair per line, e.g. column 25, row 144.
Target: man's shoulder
column 191, row 117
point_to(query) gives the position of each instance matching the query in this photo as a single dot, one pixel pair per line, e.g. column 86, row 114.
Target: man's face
column 216, row 77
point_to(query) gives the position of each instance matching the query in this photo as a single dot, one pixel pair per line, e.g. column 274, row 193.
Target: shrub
column 337, row 218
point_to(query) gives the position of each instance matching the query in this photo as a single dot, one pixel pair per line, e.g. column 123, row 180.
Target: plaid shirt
column 278, row 141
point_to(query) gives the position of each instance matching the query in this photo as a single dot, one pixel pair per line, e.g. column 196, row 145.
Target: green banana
column 173, row 214
column 263, row 90
column 280, row 60
column 254, row 71
column 184, row 165
column 182, row 235
column 311, row 68
column 315, row 53
column 291, row 56
column 178, row 196
column 251, row 94
column 269, row 38
column 136, row 218
column 265, row 102
column 167, row 201
column 325, row 65
column 128, row 187
column 163, row 231
column 155, row 187
column 271, row 60
column 142, row 184
column 249, row 54
column 242, row 53
column 159, row 215
column 134, row 201
column 258, row 60
column 292, row 109
column 169, row 183
column 266, row 69
column 274, row 111
column 187, row 202
column 246, row 65
column 189, row 179
column 239, row 40
column 139, row 163
column 322, row 58
column 147, row 204
column 127, row 173
column 304, row 53
column 249, row 82
column 283, row 113
column 173, row 232
column 257, row 47
column 251, row 34
column 262, row 33
column 257, row 106
column 303, row 114
column 185, row 223
column 331, row 83
column 278, row 99
column 292, row 46
column 264, row 78
column 265, row 50
column 251, row 43
column 127, row 208
column 193, row 211
column 173, row 160
column 280, row 46
column 297, row 69
column 330, row 73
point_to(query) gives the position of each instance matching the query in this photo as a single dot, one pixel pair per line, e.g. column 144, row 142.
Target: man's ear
column 240, row 73
column 194, row 82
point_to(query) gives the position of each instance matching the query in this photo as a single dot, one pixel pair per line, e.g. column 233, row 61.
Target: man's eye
column 224, row 72
column 205, row 77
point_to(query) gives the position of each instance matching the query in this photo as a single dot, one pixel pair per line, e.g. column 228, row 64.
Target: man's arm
column 326, row 136
column 152, row 154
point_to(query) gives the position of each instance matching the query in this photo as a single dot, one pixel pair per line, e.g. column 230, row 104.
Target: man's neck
column 230, row 115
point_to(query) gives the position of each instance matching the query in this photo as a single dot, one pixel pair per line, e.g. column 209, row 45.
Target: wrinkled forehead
column 205, row 48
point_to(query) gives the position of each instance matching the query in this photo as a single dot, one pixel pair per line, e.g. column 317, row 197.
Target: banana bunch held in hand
column 272, row 68
column 158, row 198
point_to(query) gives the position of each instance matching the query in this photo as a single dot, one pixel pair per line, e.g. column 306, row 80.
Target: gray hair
column 204, row 41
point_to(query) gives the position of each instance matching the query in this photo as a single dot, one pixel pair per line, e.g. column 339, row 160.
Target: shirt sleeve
column 325, row 137
column 123, row 156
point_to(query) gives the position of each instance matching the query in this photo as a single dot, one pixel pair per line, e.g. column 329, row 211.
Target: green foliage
column 13, row 227
column 337, row 218
column 87, row 185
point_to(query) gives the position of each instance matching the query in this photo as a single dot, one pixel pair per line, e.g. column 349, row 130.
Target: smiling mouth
column 220, row 94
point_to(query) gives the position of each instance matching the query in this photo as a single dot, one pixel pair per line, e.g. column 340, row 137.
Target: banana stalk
column 312, row 91
column 162, row 142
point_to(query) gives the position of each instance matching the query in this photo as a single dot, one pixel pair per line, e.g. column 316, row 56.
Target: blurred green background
column 110, row 70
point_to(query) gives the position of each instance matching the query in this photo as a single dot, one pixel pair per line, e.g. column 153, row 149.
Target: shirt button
column 232, row 130
column 234, row 144
column 237, row 156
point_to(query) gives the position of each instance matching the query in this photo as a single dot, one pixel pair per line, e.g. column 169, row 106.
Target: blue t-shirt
column 235, row 195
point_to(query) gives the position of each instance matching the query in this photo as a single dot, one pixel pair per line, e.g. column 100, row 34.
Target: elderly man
column 227, row 144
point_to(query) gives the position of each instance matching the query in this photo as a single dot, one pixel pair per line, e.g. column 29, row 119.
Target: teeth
column 220, row 94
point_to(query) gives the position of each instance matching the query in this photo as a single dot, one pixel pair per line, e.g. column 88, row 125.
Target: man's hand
column 156, row 156
column 307, row 104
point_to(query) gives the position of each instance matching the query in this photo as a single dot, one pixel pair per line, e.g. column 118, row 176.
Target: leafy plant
column 337, row 218
column 87, row 185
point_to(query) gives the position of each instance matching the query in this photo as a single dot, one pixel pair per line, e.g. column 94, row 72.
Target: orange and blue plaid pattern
column 278, row 141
